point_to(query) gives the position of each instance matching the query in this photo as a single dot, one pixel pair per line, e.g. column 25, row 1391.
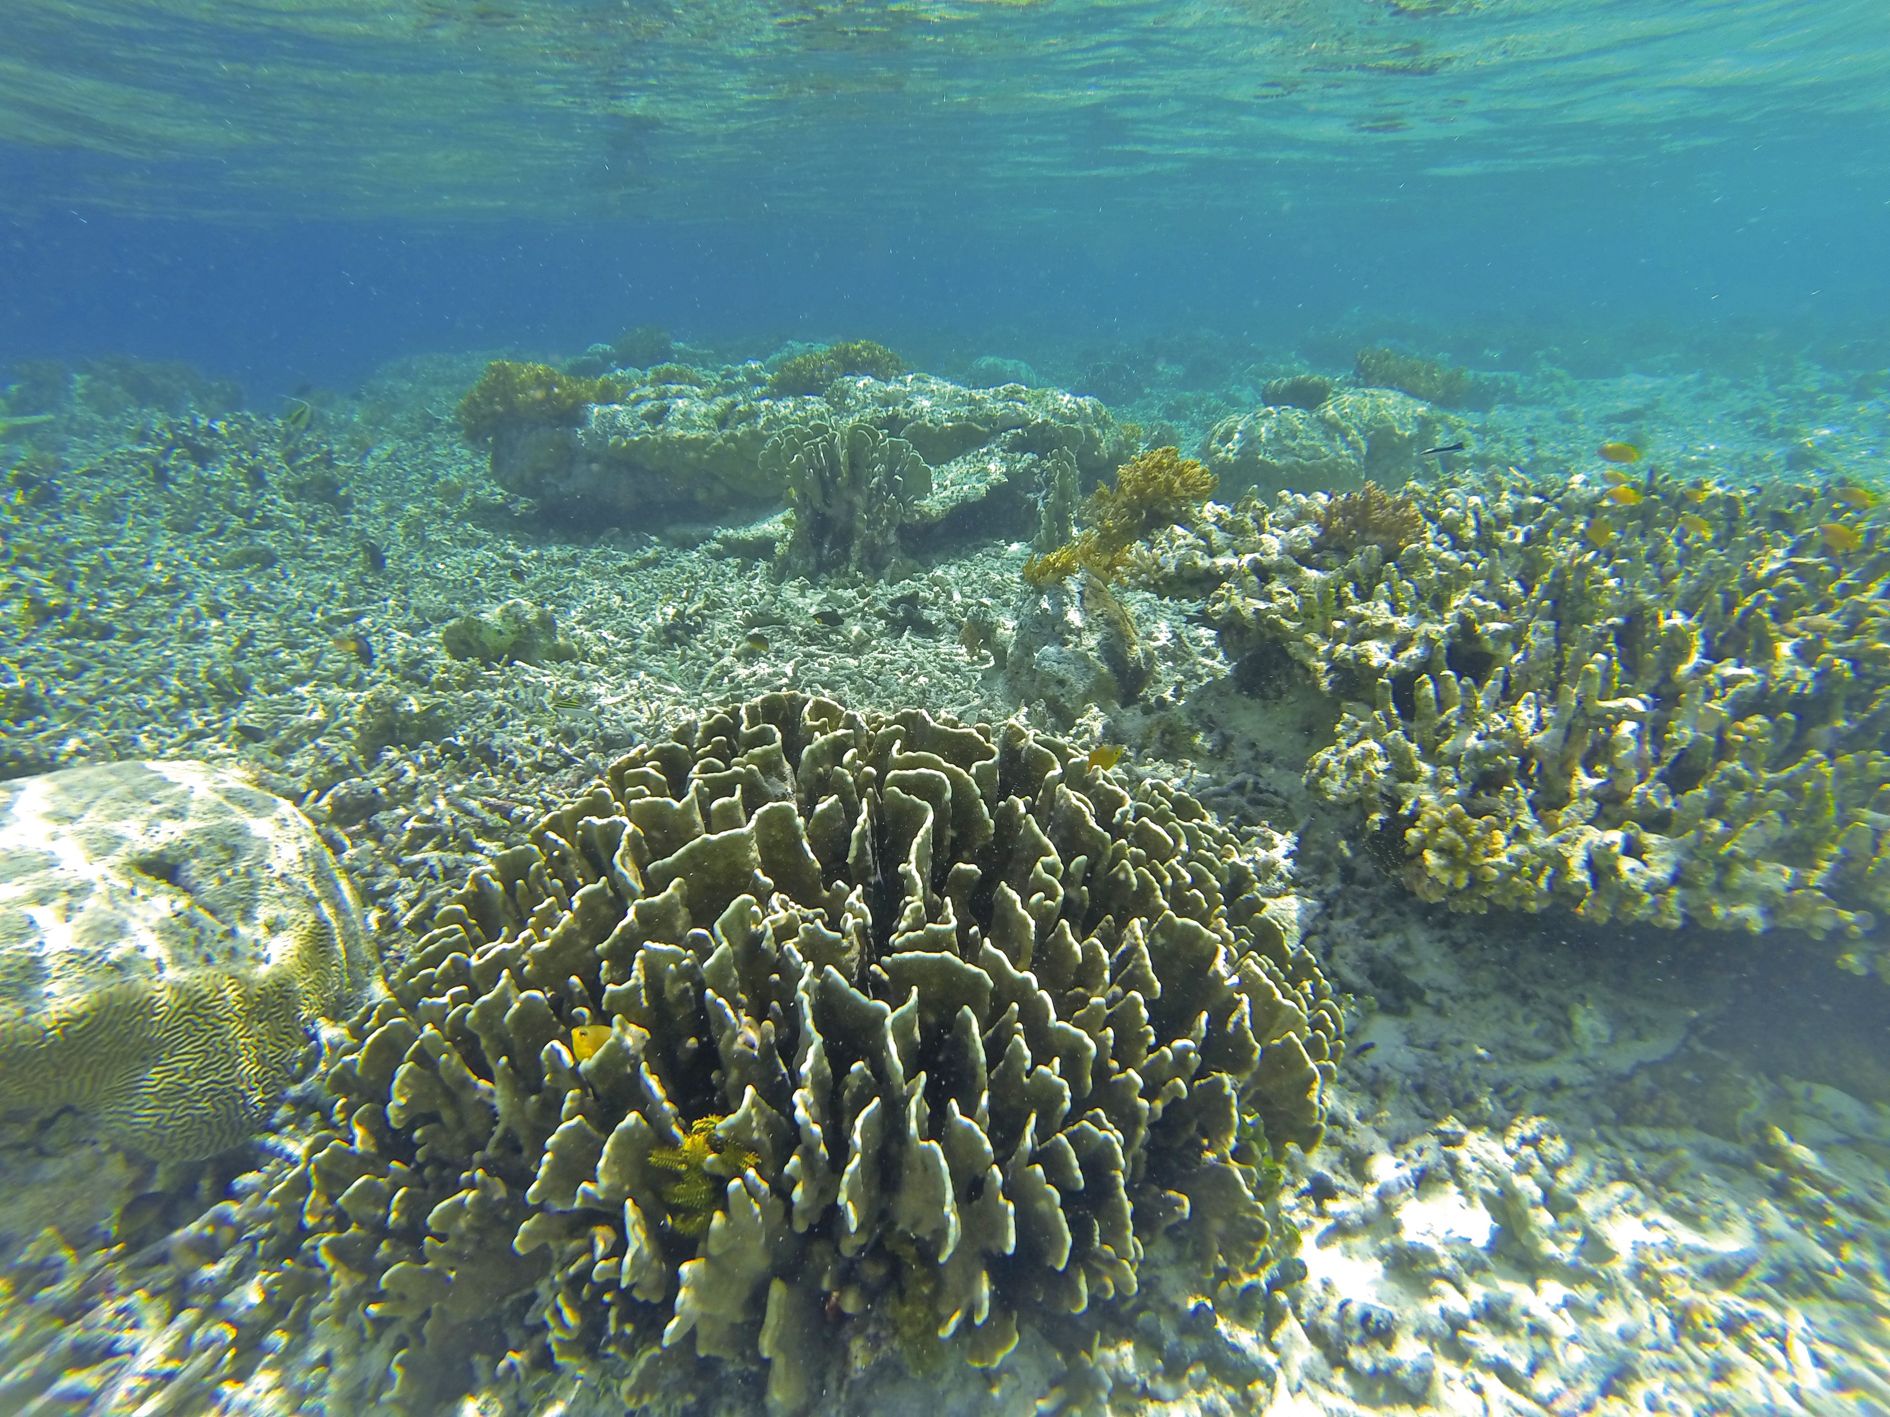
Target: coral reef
column 1370, row 516
column 682, row 449
column 511, row 395
column 1298, row 391
column 517, row 632
column 919, row 1028
column 1421, row 378
column 1350, row 438
column 812, row 371
column 1667, row 710
column 849, row 489
column 168, row 932
column 1152, row 490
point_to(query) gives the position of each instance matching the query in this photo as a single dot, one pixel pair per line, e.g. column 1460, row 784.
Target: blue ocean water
column 292, row 193
column 1626, row 1167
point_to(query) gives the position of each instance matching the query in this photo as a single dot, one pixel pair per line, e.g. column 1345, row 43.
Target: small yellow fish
column 1855, row 497
column 1619, row 452
column 1696, row 524
column 1837, row 536
column 587, row 1038
column 356, row 644
column 1104, row 755
column 1600, row 533
column 1696, row 494
column 1614, row 477
column 1625, row 496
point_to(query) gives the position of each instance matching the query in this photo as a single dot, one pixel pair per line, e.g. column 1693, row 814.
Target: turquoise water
column 290, row 191
column 1450, row 439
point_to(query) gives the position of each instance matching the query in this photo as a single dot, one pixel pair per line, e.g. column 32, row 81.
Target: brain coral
column 168, row 931
column 807, row 1017
column 1668, row 711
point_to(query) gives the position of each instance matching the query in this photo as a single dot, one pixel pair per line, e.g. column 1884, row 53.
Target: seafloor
column 1567, row 1168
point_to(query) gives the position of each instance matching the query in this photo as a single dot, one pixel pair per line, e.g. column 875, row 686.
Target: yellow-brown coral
column 1153, row 489
column 510, row 392
column 691, row 1197
column 1370, row 516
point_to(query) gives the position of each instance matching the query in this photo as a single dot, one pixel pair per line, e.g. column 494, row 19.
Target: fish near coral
column 1696, row 525
column 587, row 1038
column 1599, row 533
column 1625, row 496
column 1840, row 536
column 1855, row 497
column 1618, row 452
column 1104, row 756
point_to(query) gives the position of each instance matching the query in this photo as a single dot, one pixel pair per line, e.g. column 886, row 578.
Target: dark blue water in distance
column 1692, row 166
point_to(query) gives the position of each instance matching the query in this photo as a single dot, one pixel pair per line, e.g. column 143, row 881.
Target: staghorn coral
column 1650, row 724
column 920, row 1023
column 1153, row 489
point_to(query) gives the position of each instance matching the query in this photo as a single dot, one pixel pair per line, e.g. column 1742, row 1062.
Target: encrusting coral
column 1669, row 708
column 927, row 1029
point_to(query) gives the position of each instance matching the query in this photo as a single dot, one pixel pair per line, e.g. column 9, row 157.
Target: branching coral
column 1681, row 717
column 1370, row 516
column 1153, row 489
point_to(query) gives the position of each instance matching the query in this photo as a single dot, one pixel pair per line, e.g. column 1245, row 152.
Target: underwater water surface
column 945, row 706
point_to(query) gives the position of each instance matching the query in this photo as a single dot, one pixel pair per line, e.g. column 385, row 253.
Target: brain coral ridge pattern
column 930, row 1024
column 1669, row 721
column 168, row 934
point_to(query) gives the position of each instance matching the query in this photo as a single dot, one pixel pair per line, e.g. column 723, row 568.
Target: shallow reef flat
column 1544, row 799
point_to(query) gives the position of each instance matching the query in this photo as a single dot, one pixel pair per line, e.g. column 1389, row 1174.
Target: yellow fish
column 1600, row 533
column 1103, row 755
column 1619, row 452
column 1854, row 496
column 587, row 1038
column 1696, row 524
column 1625, row 496
column 356, row 644
column 1837, row 536
column 1696, row 494
column 1614, row 477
